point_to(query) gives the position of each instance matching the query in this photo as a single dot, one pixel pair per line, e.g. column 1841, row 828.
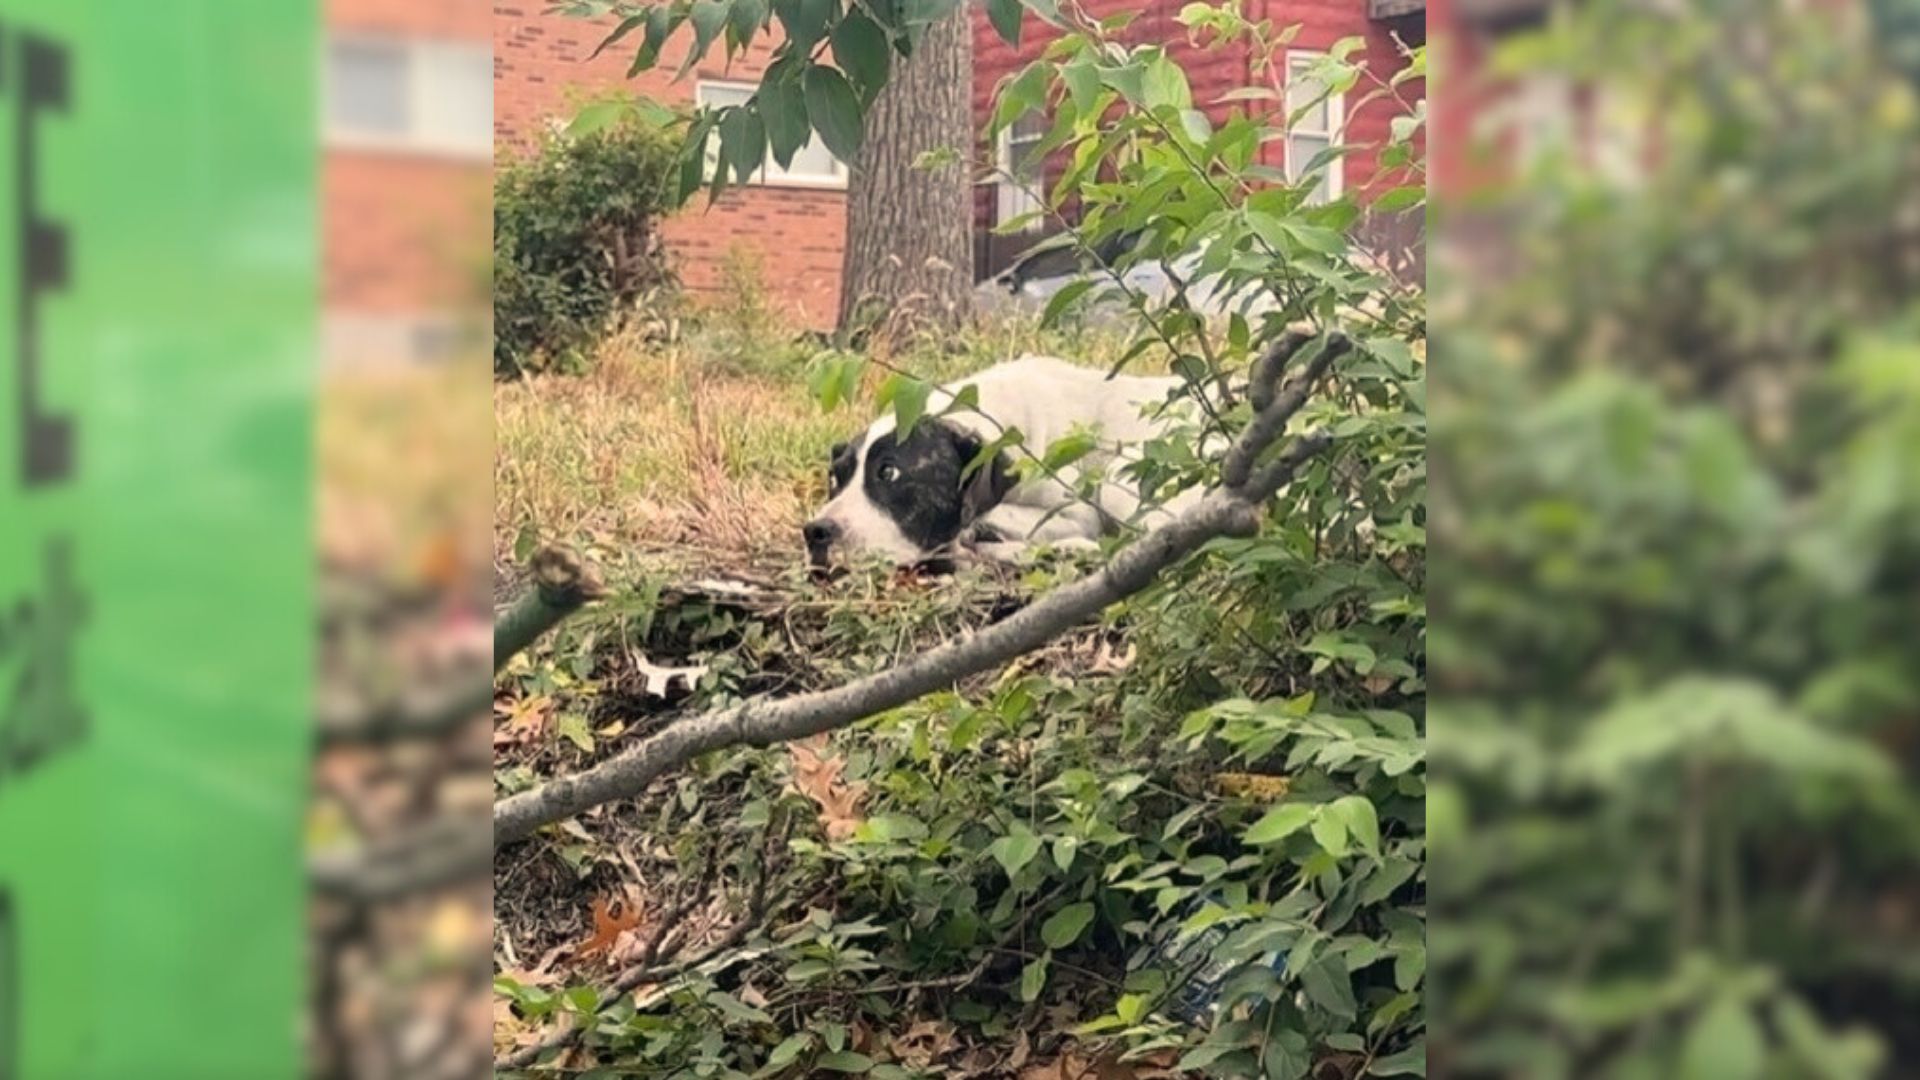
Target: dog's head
column 907, row 499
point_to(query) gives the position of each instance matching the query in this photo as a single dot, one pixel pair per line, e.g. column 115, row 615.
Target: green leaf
column 783, row 110
column 598, row 117
column 1279, row 823
column 909, row 404
column 1328, row 985
column 1330, row 832
column 1082, row 77
column 844, row 1061
column 708, row 17
column 662, row 20
column 1068, row 449
column 1724, row 1044
column 1063, row 299
column 805, row 21
column 1361, row 820
column 1015, row 850
column 743, row 142
column 1129, row 79
column 789, row 1050
column 1409, row 966
column 574, row 728
column 1005, row 17
column 627, row 26
column 835, row 111
column 1164, row 84
column 1400, row 198
column 860, row 48
column 1033, row 978
column 746, row 18
column 1065, row 926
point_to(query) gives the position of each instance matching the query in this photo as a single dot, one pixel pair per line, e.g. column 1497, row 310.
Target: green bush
column 576, row 241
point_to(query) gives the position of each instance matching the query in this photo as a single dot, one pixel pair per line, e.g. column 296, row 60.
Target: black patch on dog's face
column 923, row 485
column 840, row 468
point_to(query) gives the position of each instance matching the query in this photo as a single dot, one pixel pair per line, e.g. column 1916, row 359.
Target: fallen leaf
column 656, row 680
column 526, row 719
column 817, row 776
column 1253, row 787
column 610, row 920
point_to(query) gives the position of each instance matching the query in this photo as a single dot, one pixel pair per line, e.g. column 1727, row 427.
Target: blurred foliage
column 1054, row 852
column 1679, row 523
column 576, row 240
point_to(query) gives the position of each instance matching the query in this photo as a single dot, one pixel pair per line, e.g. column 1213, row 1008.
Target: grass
column 707, row 452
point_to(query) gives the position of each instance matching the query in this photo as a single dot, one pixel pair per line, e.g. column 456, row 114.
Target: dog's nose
column 819, row 534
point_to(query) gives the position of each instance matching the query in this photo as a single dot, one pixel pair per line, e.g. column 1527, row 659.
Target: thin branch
column 1228, row 510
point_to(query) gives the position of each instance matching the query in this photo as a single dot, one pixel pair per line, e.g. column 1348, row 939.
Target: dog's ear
column 987, row 485
column 839, row 451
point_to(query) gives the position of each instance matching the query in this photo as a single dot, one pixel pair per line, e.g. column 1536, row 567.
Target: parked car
column 1033, row 279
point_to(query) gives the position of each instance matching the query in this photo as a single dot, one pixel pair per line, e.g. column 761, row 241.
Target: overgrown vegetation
column 1190, row 839
column 576, row 241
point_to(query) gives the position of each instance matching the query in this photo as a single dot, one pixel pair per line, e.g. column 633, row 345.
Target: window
column 410, row 95
column 813, row 164
column 1316, row 128
column 1018, row 178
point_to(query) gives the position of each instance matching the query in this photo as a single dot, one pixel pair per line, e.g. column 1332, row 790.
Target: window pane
column 813, row 160
column 720, row 96
column 367, row 88
column 1303, row 90
column 1301, row 150
column 456, row 95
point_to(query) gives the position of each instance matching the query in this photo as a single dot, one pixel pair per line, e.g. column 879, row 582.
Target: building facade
column 789, row 228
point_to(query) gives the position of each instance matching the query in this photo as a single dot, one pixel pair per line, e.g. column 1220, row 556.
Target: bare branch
column 1274, row 407
column 563, row 582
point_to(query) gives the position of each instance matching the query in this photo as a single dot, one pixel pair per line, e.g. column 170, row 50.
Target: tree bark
column 908, row 261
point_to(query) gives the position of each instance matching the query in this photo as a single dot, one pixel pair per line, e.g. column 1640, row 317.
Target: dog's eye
column 890, row 474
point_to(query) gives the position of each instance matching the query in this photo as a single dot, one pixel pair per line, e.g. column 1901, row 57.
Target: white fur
column 1046, row 399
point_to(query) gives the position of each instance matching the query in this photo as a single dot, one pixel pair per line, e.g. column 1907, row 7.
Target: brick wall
column 793, row 236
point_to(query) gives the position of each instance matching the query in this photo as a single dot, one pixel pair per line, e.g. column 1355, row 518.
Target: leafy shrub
column 576, row 240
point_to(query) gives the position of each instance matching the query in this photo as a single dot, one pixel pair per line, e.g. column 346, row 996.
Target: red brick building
column 792, row 227
column 405, row 181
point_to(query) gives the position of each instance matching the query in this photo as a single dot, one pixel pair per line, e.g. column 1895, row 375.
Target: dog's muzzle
column 819, row 536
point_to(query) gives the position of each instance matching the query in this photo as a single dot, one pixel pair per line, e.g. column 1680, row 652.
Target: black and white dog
column 911, row 499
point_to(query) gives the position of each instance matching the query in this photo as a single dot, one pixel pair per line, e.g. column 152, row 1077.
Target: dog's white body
column 1046, row 399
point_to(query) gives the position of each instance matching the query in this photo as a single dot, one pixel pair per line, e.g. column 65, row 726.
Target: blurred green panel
column 157, row 295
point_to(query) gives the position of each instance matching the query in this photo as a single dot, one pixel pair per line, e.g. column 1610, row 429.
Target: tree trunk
column 909, row 256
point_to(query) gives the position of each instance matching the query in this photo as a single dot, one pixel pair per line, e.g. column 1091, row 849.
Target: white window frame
column 1013, row 198
column 1336, row 104
column 420, row 137
column 771, row 174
